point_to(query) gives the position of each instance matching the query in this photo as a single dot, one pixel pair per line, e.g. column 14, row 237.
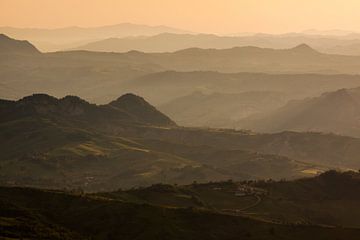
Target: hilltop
column 129, row 108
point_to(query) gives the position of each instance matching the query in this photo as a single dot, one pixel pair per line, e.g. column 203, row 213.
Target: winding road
column 258, row 201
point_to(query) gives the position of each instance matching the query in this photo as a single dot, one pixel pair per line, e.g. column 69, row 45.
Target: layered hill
column 170, row 42
column 221, row 109
column 173, row 84
column 101, row 77
column 336, row 112
column 12, row 46
column 348, row 49
column 70, row 37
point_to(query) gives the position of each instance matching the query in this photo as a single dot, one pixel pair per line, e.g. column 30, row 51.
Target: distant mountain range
column 62, row 38
column 170, row 42
column 331, row 32
column 337, row 112
column 101, row 77
column 174, row 85
column 164, row 77
column 348, row 49
column 127, row 36
column 251, row 59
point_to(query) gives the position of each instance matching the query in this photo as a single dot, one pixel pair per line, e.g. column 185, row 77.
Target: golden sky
column 213, row 16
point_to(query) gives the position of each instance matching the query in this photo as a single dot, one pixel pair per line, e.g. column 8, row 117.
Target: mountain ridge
column 170, row 42
column 129, row 108
column 70, row 37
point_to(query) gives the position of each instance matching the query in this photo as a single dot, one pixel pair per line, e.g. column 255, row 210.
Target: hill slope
column 12, row 46
column 220, row 109
column 173, row 84
column 336, row 112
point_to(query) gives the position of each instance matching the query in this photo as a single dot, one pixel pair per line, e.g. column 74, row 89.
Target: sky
column 207, row 16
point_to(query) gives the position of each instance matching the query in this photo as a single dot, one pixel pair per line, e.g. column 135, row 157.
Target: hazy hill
column 69, row 73
column 12, row 46
column 330, row 32
column 336, row 112
column 126, row 37
column 102, row 77
column 249, row 59
column 172, row 84
column 348, row 49
column 69, row 37
column 299, row 59
column 221, row 109
column 170, row 42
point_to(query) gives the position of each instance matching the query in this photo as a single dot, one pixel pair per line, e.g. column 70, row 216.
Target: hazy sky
column 216, row 16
